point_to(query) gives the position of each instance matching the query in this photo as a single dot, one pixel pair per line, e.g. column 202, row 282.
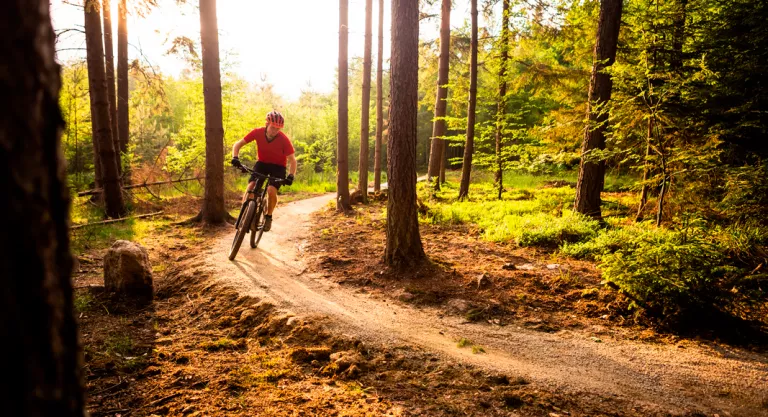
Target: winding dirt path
column 653, row 377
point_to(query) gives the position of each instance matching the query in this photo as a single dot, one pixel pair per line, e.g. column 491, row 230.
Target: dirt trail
column 654, row 377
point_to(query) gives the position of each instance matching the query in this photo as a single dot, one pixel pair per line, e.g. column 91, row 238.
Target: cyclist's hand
column 236, row 162
column 289, row 179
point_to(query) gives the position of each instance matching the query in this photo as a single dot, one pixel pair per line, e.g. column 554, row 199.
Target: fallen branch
column 117, row 220
column 142, row 185
column 162, row 400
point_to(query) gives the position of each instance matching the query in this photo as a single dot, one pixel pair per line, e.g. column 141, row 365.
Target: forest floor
column 312, row 323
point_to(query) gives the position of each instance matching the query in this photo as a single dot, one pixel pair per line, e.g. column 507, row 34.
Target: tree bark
column 646, row 171
column 102, row 127
column 592, row 172
column 678, row 39
column 342, row 151
column 122, row 85
column 109, row 61
column 213, row 211
column 362, row 183
column 379, row 103
column 439, row 125
column 42, row 365
column 403, row 240
column 469, row 148
column 502, row 105
column 444, row 161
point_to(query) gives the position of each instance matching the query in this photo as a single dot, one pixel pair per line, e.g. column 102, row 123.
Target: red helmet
column 276, row 119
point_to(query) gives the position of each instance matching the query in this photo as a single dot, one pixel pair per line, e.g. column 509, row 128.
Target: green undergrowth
column 688, row 268
column 539, row 215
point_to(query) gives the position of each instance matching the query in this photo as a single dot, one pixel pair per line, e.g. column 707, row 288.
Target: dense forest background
column 685, row 134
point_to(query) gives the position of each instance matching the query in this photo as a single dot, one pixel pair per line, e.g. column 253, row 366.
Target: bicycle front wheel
column 258, row 222
column 245, row 223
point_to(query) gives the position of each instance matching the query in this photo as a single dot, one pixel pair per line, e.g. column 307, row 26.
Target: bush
column 608, row 241
column 541, row 229
column 680, row 273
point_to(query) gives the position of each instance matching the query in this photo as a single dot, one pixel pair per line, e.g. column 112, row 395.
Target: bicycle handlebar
column 244, row 169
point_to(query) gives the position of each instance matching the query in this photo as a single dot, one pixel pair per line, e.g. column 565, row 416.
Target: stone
column 458, row 306
column 346, row 359
column 127, row 270
column 483, row 280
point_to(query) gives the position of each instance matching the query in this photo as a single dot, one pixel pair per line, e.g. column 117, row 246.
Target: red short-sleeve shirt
column 271, row 152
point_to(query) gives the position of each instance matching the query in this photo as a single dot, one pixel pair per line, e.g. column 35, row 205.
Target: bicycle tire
column 256, row 237
column 242, row 230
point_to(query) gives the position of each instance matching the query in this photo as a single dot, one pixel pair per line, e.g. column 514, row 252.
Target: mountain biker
column 274, row 151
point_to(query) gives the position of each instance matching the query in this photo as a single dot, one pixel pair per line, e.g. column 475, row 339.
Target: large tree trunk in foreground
column 342, row 144
column 592, row 171
column 403, row 239
column 502, row 104
column 102, row 127
column 109, row 61
column 213, row 202
column 469, row 148
column 122, row 85
column 41, row 369
column 379, row 103
column 362, row 183
column 439, row 125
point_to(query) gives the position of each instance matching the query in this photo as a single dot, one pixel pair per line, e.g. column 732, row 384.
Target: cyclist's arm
column 236, row 148
column 292, row 163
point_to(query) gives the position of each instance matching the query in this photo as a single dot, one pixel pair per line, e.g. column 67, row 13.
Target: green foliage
column 681, row 271
column 526, row 217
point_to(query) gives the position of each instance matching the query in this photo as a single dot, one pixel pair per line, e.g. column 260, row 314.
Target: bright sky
column 290, row 42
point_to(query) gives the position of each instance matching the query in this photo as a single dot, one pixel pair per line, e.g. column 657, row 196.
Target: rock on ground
column 127, row 270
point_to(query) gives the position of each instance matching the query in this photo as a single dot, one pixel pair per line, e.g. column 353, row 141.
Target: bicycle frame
column 268, row 180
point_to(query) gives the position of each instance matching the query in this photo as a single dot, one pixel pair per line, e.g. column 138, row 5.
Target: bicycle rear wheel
column 259, row 223
column 242, row 229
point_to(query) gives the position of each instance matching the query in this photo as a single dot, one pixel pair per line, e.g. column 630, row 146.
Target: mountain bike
column 253, row 212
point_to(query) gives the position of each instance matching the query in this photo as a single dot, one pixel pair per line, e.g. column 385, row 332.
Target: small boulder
column 344, row 360
column 458, row 306
column 483, row 281
column 127, row 270
column 356, row 197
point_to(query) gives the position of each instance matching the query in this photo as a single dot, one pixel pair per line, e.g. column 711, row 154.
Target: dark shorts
column 273, row 170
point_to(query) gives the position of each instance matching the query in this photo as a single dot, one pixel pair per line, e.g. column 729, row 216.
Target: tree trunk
column 102, row 127
column 403, row 239
column 438, row 125
column 591, row 171
column 676, row 61
column 646, row 171
column 109, row 60
column 379, row 103
column 466, row 168
column 444, row 151
column 122, row 85
column 502, row 105
column 213, row 203
column 665, row 182
column 342, row 151
column 42, row 365
column 362, row 183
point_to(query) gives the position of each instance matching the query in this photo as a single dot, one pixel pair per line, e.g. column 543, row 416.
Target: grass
column 84, row 301
column 219, row 345
column 118, row 343
column 526, row 216
column 464, row 342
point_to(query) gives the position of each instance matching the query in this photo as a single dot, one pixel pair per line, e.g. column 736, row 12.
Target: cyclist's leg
column 271, row 199
column 251, row 184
